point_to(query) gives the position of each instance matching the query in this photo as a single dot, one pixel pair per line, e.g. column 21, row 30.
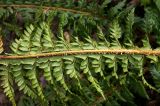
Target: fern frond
column 21, row 82
column 77, row 52
column 32, row 76
column 86, row 70
column 129, row 29
column 7, row 82
column 116, row 33
column 58, row 72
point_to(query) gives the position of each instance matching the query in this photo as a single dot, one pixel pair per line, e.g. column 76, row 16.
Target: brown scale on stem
column 63, row 53
column 1, row 45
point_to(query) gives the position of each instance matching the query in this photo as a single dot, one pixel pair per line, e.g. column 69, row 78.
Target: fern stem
column 76, row 52
column 46, row 8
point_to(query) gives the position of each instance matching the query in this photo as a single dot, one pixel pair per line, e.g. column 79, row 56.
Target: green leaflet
column 31, row 74
column 115, row 31
column 7, row 83
column 59, row 75
column 86, row 70
column 115, row 9
column 20, row 80
column 118, row 95
column 157, row 3
column 139, row 88
column 130, row 20
column 155, row 73
column 112, row 63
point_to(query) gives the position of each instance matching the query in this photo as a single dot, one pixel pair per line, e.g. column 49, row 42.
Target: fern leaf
column 112, row 63
column 22, row 46
column 71, row 69
column 58, row 72
column 32, row 75
column 116, row 33
column 129, row 25
column 19, row 79
column 84, row 66
column 7, row 83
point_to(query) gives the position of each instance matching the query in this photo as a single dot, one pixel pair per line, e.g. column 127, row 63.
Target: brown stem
column 77, row 52
column 49, row 8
